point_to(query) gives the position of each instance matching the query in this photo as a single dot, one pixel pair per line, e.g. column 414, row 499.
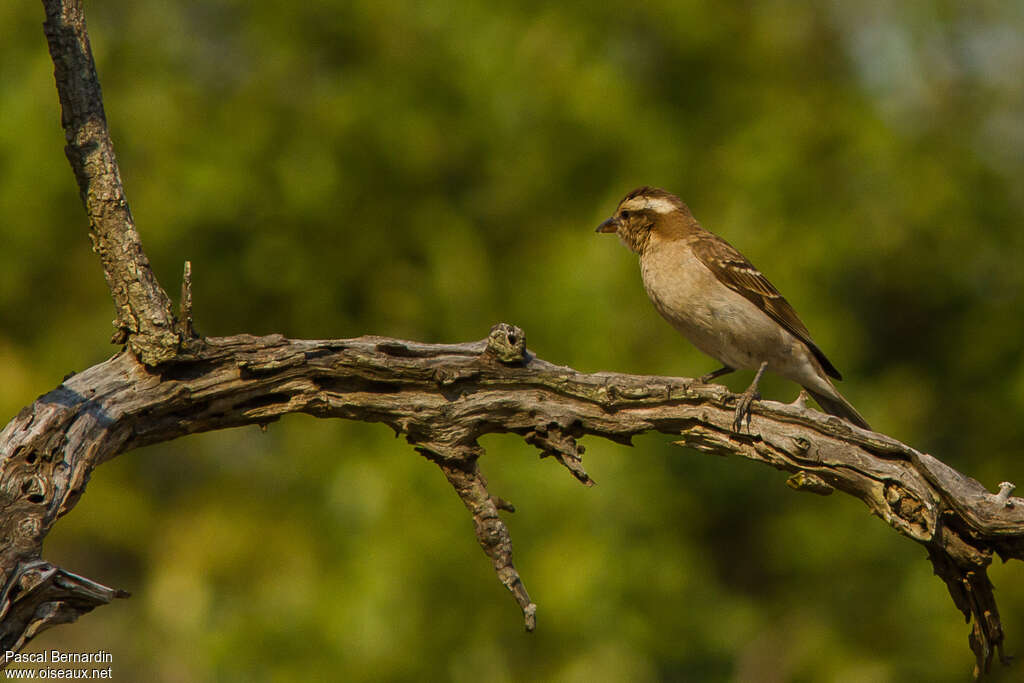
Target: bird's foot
column 746, row 400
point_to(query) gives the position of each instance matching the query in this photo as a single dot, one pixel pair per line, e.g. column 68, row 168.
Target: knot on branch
column 507, row 343
column 1006, row 489
column 910, row 510
column 561, row 442
column 447, row 377
column 809, row 482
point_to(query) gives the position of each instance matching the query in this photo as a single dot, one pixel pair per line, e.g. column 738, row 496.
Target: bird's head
column 646, row 211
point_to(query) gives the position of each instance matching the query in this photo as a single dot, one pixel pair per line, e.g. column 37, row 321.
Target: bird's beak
column 610, row 225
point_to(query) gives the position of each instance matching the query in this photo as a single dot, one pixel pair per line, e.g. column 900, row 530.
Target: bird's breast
column 681, row 288
column 717, row 320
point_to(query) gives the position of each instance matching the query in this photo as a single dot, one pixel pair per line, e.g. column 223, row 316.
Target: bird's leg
column 746, row 399
column 724, row 370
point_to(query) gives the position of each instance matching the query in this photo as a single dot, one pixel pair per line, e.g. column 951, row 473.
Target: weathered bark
column 167, row 383
column 442, row 399
column 144, row 316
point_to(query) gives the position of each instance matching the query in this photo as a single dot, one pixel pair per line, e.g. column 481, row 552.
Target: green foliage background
column 424, row 170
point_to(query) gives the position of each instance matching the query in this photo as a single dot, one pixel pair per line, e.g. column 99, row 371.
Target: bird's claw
column 746, row 400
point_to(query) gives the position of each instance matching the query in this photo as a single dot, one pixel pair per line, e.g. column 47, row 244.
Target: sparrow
column 719, row 301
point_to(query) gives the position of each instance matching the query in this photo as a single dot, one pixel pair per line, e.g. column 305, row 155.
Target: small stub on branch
column 554, row 440
column 507, row 343
column 530, row 617
column 1003, row 497
column 120, row 335
column 185, row 314
column 811, row 483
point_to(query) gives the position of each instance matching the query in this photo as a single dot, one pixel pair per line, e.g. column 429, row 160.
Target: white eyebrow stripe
column 661, row 205
column 656, row 204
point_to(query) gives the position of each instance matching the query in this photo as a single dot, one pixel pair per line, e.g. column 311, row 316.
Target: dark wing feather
column 738, row 274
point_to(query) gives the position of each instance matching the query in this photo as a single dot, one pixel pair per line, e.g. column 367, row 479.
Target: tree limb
column 442, row 398
column 144, row 316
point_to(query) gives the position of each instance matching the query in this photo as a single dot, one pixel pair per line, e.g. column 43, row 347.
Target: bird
column 718, row 300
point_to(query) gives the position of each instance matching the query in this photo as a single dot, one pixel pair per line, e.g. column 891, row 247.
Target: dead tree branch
column 168, row 383
column 144, row 316
column 442, row 398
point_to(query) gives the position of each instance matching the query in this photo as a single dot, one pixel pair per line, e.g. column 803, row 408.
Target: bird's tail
column 835, row 404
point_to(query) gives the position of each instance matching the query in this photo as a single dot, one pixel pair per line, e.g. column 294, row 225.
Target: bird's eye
column 625, row 214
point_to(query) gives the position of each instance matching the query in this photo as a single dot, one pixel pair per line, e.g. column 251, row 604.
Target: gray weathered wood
column 443, row 397
column 144, row 316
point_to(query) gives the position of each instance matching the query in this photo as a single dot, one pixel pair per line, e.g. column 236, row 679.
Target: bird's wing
column 738, row 274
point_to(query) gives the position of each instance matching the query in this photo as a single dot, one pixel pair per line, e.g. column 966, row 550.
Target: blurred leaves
column 425, row 170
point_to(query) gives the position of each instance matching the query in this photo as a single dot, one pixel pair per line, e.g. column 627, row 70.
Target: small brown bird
column 719, row 301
